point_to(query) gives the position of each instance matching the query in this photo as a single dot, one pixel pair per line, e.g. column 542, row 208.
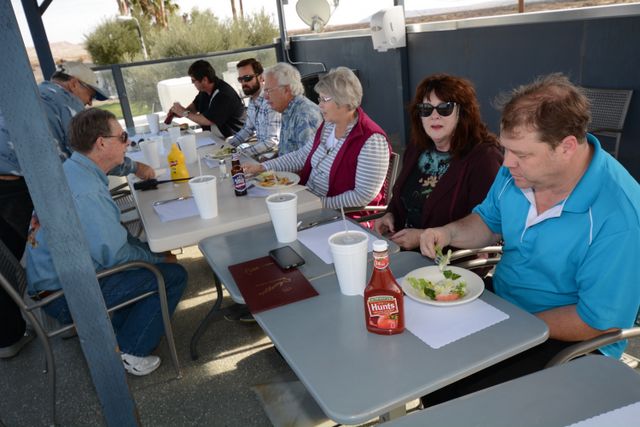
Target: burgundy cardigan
column 342, row 177
column 463, row 186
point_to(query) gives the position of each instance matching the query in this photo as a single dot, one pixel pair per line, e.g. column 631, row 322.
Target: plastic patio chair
column 121, row 195
column 495, row 254
column 13, row 281
column 608, row 112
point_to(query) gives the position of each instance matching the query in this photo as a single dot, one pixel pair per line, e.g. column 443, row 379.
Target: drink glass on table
column 154, row 123
column 205, row 193
column 151, row 151
column 174, row 133
column 283, row 209
column 188, row 147
column 349, row 251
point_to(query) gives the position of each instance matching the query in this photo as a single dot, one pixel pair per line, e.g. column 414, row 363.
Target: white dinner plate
column 475, row 285
column 218, row 154
column 292, row 177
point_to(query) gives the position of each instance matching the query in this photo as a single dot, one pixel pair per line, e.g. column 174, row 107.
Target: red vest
column 343, row 170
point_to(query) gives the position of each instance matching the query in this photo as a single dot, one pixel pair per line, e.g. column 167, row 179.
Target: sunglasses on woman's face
column 444, row 109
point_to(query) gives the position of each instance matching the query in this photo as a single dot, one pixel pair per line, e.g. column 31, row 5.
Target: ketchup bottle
column 383, row 298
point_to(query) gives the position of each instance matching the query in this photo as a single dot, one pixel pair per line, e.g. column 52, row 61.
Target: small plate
column 220, row 153
column 292, row 179
column 475, row 285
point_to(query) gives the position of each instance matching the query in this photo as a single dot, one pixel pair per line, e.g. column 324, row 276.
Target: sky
column 86, row 15
column 71, row 20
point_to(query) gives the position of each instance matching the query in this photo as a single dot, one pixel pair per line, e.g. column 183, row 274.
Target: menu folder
column 264, row 285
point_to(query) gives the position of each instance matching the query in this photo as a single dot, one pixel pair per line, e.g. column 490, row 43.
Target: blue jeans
column 138, row 327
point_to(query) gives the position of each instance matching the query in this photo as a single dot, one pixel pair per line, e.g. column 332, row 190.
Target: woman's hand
column 408, row 238
column 252, row 168
column 384, row 224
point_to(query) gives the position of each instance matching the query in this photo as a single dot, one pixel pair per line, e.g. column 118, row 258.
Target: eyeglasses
column 89, row 88
column 444, row 109
column 325, row 98
column 271, row 89
column 123, row 137
column 246, row 79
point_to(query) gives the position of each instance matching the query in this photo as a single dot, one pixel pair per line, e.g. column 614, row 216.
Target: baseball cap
column 86, row 75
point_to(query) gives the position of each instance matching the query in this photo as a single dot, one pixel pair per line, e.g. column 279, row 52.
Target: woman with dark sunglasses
column 449, row 164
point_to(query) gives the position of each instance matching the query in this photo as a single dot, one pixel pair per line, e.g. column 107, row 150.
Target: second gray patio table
column 354, row 375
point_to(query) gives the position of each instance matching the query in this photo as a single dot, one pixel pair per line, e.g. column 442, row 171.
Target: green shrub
column 114, row 42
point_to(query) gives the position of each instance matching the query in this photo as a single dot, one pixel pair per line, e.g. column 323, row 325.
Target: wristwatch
column 185, row 113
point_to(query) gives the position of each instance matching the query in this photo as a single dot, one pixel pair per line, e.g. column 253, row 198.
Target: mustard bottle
column 176, row 163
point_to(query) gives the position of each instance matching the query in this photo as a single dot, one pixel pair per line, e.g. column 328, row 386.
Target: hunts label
column 382, row 305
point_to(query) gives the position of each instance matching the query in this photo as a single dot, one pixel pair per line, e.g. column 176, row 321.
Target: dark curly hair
column 470, row 129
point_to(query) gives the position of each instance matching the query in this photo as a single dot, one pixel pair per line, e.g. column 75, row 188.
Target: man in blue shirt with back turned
column 99, row 144
column 569, row 215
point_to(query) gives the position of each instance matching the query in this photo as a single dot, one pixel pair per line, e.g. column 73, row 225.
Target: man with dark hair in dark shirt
column 217, row 103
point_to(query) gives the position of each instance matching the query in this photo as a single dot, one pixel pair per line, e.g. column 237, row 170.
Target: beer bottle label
column 239, row 183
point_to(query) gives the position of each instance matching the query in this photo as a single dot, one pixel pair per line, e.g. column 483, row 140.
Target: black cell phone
column 286, row 257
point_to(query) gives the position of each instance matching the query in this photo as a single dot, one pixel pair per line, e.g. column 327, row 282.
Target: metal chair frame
column 13, row 281
column 389, row 182
column 609, row 109
column 587, row 346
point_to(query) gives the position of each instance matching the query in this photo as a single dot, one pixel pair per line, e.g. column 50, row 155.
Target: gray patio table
column 558, row 396
column 249, row 243
column 354, row 375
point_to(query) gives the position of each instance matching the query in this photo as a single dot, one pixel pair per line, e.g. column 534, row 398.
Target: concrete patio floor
column 216, row 389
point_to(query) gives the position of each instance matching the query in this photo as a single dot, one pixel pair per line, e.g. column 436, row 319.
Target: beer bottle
column 237, row 175
column 383, row 298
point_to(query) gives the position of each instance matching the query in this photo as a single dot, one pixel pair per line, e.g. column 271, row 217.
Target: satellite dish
column 314, row 13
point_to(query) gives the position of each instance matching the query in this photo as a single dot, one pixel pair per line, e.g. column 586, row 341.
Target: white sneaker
column 140, row 366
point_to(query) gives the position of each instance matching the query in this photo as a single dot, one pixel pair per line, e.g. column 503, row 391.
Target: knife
column 318, row 222
column 177, row 199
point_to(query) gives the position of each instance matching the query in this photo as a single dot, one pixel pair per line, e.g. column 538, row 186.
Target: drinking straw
column 199, row 164
column 344, row 220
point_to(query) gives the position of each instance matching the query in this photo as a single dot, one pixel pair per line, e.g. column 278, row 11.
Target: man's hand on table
column 144, row 171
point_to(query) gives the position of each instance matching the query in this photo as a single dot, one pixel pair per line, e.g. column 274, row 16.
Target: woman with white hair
column 347, row 161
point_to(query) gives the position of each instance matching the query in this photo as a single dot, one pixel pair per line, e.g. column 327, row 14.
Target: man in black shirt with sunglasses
column 217, row 103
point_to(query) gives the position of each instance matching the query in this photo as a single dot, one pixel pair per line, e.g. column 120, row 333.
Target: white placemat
column 177, row 209
column 439, row 326
column 316, row 238
column 627, row 416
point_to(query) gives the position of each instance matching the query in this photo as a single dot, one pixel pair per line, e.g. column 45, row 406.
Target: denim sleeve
column 107, row 239
column 127, row 167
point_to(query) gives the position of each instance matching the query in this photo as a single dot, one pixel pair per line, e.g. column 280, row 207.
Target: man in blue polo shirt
column 569, row 215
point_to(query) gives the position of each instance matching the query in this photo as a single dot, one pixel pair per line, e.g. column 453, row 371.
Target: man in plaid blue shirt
column 262, row 121
column 284, row 92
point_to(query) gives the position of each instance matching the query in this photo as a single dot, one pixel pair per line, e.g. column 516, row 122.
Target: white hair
column 343, row 86
column 286, row 75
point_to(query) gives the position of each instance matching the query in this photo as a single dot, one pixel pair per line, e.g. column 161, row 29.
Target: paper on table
column 204, row 140
column 426, row 321
column 315, row 238
column 627, row 416
column 177, row 209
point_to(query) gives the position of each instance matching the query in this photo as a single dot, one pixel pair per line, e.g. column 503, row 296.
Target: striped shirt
column 373, row 162
column 262, row 121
